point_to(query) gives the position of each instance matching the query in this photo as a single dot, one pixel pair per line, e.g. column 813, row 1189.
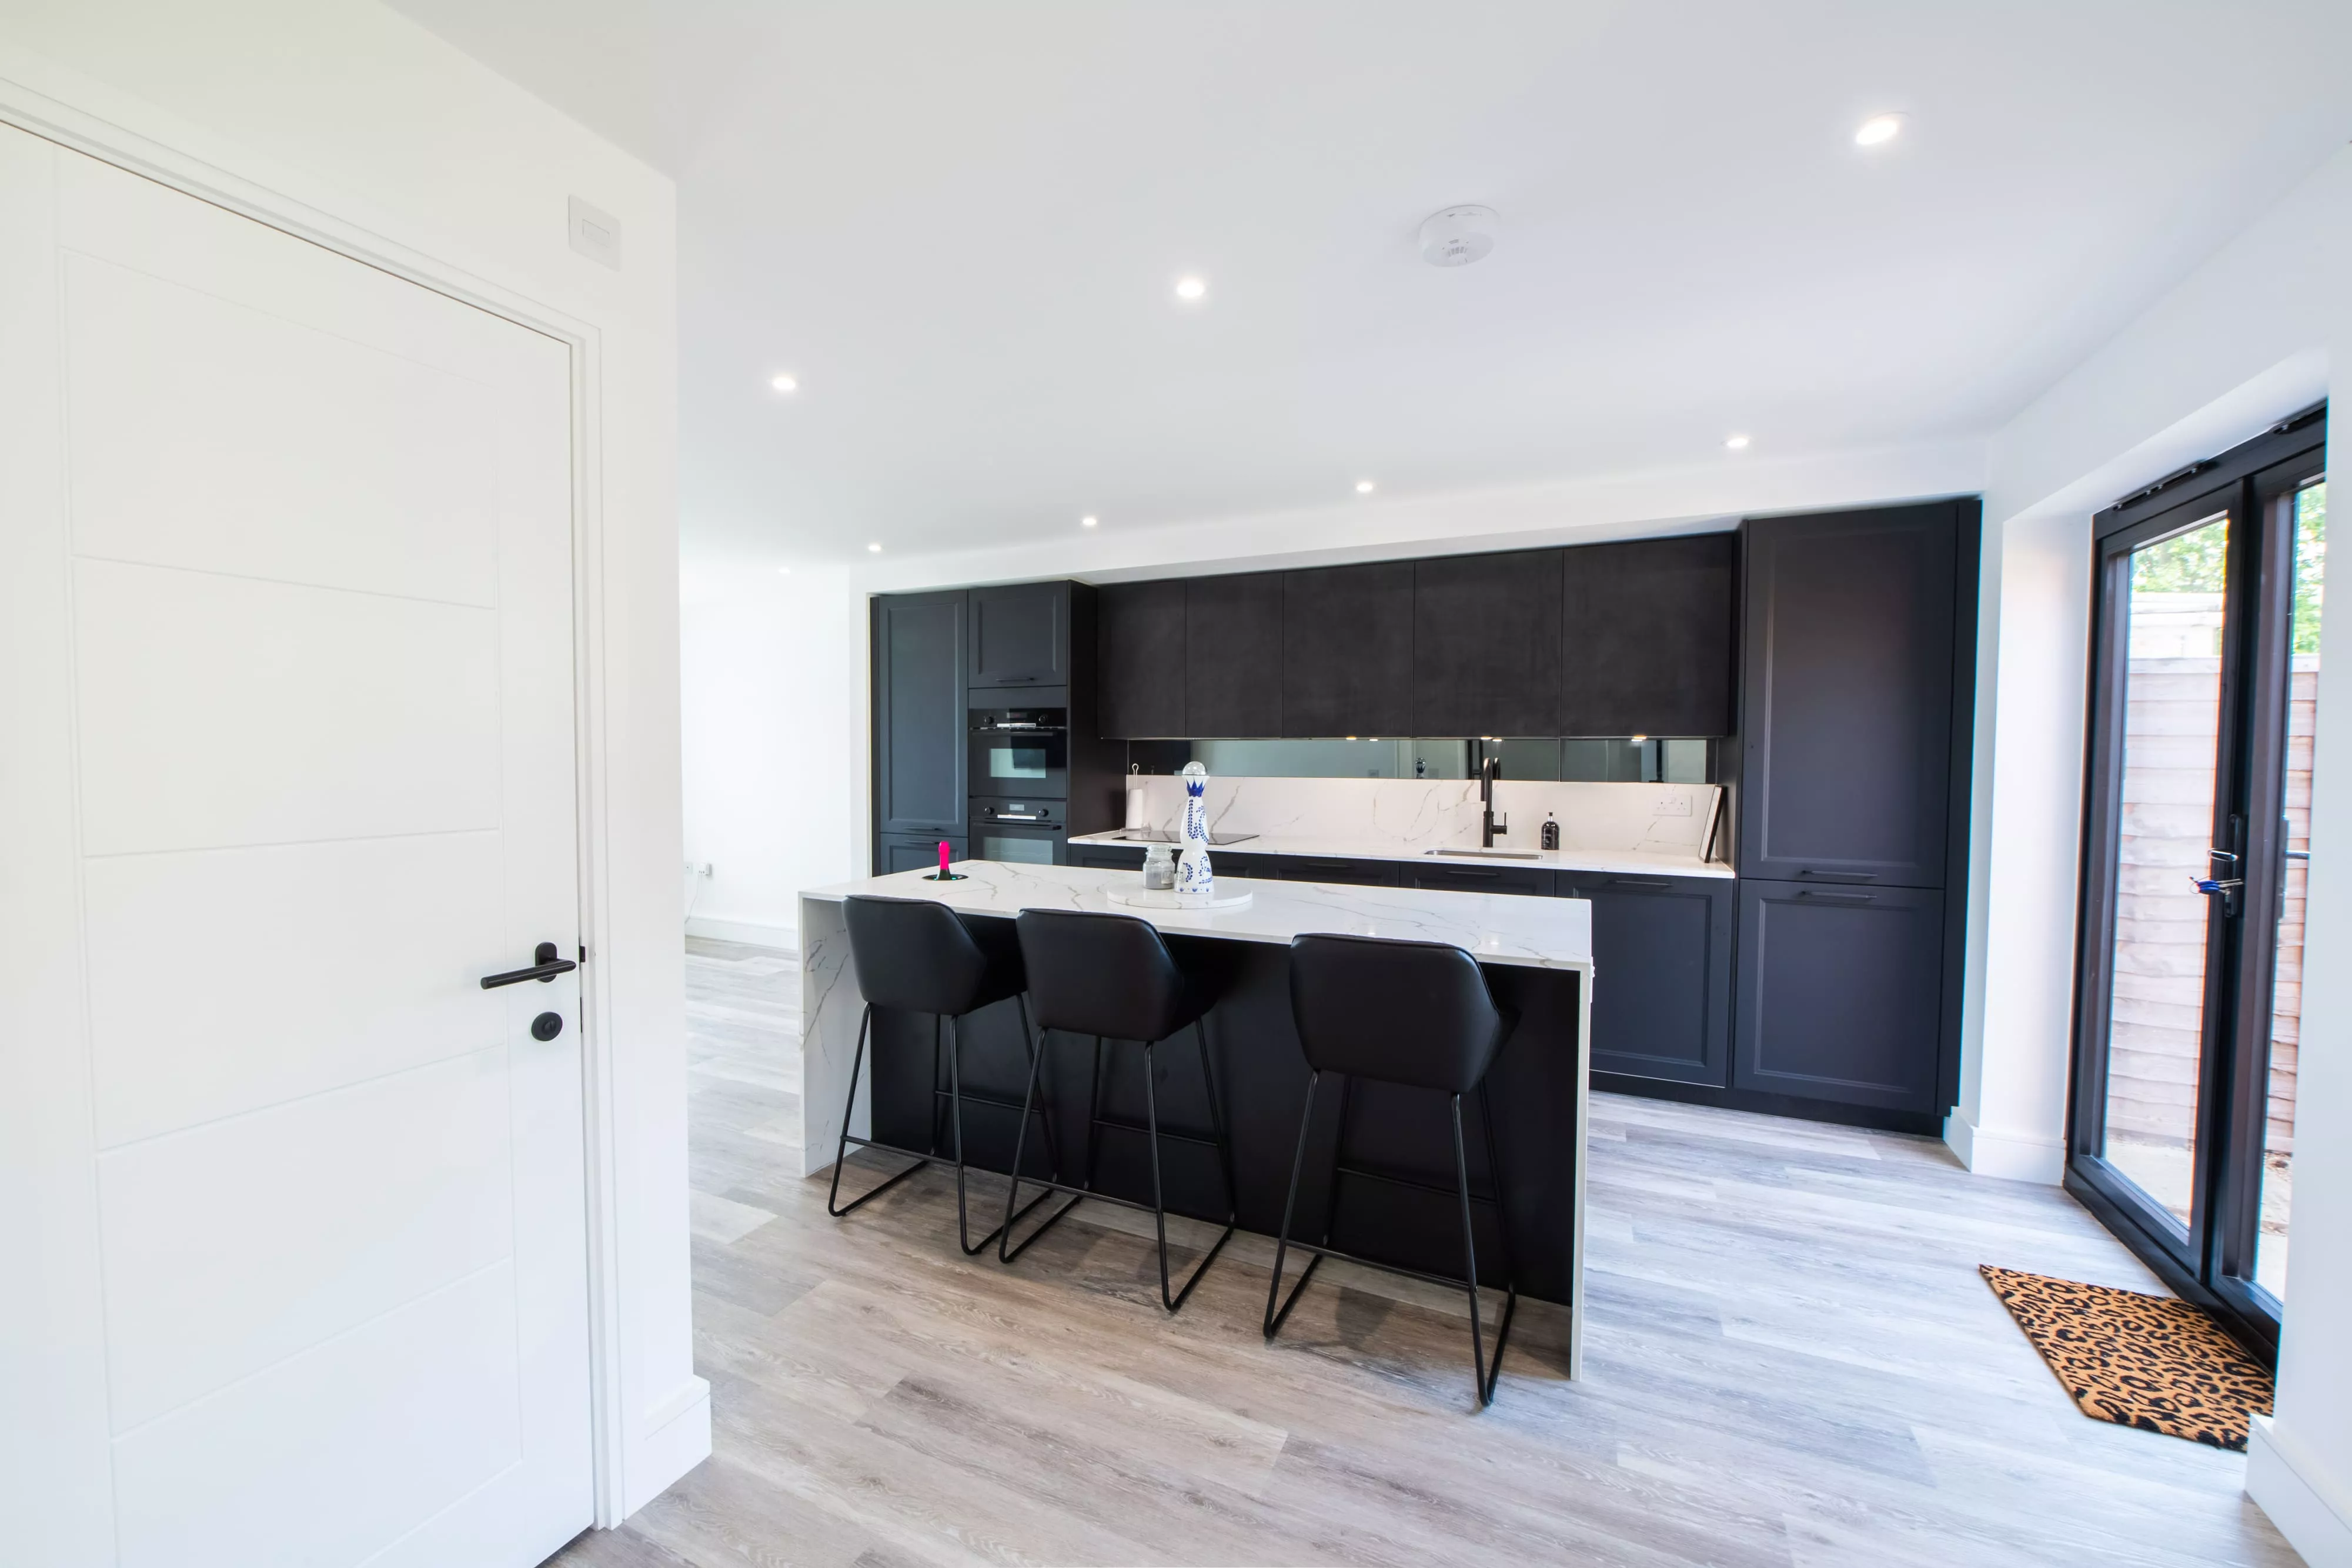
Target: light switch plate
column 595, row 234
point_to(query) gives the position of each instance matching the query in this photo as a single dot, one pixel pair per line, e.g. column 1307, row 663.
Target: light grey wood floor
column 1791, row 1360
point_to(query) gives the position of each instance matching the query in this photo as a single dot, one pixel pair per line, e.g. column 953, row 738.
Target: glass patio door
column 2204, row 667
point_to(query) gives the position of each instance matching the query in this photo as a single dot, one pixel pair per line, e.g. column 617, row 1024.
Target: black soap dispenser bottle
column 1550, row 831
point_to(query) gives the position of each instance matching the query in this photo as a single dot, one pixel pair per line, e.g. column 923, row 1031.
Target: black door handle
column 547, row 967
column 1812, row 898
column 1638, row 882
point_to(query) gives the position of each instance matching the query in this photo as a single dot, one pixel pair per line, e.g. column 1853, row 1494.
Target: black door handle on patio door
column 547, row 967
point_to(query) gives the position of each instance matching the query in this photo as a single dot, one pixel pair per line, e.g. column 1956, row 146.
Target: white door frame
column 110, row 142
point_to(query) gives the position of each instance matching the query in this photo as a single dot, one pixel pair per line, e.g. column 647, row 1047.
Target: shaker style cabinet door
column 1845, row 718
column 1648, row 626
column 1021, row 635
column 1486, row 645
column 1662, row 946
column 1347, row 650
column 1233, row 672
column 1141, row 660
column 1841, row 993
column 918, row 717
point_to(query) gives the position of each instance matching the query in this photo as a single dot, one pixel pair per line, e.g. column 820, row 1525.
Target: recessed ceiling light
column 1190, row 289
column 1735, row 443
column 786, row 383
column 1089, row 522
column 1877, row 130
column 873, row 549
column 783, row 571
column 1365, row 487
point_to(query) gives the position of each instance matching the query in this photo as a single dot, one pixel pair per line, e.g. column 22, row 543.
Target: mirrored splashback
column 1602, row 761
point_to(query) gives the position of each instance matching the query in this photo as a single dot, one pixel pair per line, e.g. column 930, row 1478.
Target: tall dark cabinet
column 919, row 723
column 1857, row 690
column 1139, row 659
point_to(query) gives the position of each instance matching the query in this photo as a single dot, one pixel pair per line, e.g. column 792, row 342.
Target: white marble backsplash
column 1420, row 813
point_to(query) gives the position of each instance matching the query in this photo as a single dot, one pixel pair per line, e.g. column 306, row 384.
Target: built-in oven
column 1023, row 830
column 1020, row 752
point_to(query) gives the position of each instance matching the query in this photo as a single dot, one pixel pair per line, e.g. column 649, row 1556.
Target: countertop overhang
column 1599, row 863
column 1493, row 928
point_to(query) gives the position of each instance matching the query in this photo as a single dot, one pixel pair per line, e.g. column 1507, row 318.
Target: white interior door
column 286, row 710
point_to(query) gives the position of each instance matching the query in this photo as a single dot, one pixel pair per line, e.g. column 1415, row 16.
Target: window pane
column 2172, row 696
column 2286, row 997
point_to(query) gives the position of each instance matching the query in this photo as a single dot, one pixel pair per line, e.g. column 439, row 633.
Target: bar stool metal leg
column 1282, row 1237
column 1159, row 1202
column 1005, row 1251
column 833, row 1204
column 1486, row 1374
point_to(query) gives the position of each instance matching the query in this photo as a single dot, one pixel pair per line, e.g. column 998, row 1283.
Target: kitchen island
column 1537, row 958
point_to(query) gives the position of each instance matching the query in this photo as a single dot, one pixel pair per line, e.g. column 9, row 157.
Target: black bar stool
column 1417, row 1014
column 920, row 956
column 1110, row 976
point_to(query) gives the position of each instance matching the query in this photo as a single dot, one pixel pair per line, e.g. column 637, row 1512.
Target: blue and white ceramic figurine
column 1196, row 885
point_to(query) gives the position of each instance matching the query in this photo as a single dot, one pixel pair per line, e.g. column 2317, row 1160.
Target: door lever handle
column 547, row 967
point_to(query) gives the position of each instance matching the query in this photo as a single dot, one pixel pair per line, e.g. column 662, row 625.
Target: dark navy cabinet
column 1662, row 950
column 1847, row 707
column 1021, row 635
column 1319, row 868
column 1107, row 857
column 915, row 853
column 919, row 716
column 1840, row 994
column 1458, row 877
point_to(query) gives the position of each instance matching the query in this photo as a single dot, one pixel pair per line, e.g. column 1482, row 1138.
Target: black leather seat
column 1416, row 1014
column 918, row 957
column 1112, row 976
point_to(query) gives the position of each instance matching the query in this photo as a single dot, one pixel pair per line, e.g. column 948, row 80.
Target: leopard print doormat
column 2150, row 1362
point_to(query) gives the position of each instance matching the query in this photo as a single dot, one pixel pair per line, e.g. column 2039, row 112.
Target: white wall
column 2246, row 338
column 772, row 699
column 345, row 111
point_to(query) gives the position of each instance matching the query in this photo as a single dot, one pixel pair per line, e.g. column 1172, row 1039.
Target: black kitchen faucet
column 1489, row 770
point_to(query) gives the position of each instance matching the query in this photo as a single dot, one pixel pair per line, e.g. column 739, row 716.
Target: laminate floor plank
column 1790, row 1358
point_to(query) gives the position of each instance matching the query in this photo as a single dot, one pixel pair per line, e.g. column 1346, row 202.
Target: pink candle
column 943, row 857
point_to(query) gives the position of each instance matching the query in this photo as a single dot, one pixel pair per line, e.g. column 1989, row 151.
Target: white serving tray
column 1162, row 898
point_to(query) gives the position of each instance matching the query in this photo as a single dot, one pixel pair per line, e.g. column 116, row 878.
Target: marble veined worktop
column 1597, row 861
column 1494, row 928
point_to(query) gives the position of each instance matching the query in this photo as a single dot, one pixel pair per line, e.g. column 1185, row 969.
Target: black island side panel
column 1411, row 1219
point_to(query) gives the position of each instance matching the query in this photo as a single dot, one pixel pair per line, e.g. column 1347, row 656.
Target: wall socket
column 694, row 870
column 1673, row 806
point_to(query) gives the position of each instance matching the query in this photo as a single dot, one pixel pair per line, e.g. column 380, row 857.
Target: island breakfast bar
column 1537, row 956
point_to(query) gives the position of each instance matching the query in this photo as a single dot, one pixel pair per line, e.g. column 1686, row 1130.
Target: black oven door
column 1022, row 832
column 1019, row 753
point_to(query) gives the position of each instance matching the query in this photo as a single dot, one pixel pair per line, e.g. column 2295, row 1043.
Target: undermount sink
column 1489, row 854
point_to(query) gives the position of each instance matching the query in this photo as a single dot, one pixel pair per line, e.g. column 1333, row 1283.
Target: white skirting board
column 758, row 932
column 2009, row 1155
column 2290, row 1493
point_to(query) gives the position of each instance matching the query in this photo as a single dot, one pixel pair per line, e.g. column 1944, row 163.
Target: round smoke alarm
column 1457, row 236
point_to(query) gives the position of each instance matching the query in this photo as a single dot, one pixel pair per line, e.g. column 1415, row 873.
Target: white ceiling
column 958, row 223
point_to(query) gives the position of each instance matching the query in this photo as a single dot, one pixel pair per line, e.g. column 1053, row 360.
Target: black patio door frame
column 2210, row 1261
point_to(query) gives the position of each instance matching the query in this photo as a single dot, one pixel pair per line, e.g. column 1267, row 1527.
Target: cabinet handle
column 1838, row 876
column 1813, row 897
column 1640, row 882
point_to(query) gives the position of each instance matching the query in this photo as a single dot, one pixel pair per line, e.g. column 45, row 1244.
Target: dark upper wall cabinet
column 1486, row 645
column 1021, row 635
column 1841, row 993
column 1233, row 685
column 1846, row 700
column 1141, row 660
column 1346, row 650
column 919, row 708
column 1648, row 630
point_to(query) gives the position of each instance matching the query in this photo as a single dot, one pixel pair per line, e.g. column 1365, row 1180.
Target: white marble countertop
column 1494, row 928
column 1606, row 862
